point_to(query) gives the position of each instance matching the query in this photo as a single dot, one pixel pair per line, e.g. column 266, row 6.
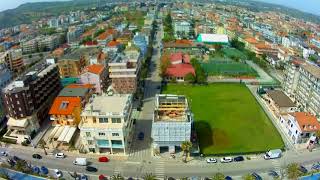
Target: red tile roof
column 176, row 56
column 113, row 43
column 94, row 68
column 307, row 122
column 64, row 105
column 180, row 70
column 80, row 86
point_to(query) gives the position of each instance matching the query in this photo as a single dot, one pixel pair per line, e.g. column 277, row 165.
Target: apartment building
column 97, row 75
column 13, row 60
column 106, row 124
column 124, row 70
column 40, row 44
column 308, row 88
column 291, row 77
column 302, row 84
column 28, row 99
column 72, row 64
column 172, row 121
column 181, row 29
column 74, row 33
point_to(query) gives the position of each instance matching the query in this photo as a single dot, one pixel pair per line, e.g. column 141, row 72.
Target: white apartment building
column 181, row 28
column 302, row 84
column 106, row 125
column 172, row 121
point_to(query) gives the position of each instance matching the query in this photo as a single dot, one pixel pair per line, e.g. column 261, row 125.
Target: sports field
column 228, row 68
column 228, row 119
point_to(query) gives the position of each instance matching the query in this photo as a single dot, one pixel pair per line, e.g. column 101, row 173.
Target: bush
column 3, row 131
column 7, row 140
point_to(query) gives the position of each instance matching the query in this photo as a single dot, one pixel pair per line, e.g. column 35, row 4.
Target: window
column 18, row 102
column 116, row 120
column 88, row 134
column 115, row 134
column 94, row 120
column 296, row 131
column 90, row 142
column 103, row 120
column 102, row 134
column 20, row 109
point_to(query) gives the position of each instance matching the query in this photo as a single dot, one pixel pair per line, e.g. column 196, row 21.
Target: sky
column 311, row 6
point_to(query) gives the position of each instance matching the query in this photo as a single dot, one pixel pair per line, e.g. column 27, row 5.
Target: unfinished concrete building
column 172, row 122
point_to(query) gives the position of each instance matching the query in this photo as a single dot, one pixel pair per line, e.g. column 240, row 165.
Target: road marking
column 160, row 169
column 118, row 170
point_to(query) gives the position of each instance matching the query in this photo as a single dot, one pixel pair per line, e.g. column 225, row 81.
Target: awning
column 67, row 134
column 59, row 131
column 17, row 123
column 54, row 131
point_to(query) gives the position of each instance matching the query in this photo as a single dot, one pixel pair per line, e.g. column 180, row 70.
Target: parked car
column 44, row 170
column 212, row 160
column 36, row 156
column 273, row 174
column 226, row 159
column 57, row 173
column 238, row 159
column 3, row 153
column 141, row 136
column 256, row 176
column 84, row 177
column 303, row 169
column 102, row 177
column 273, row 154
column 16, row 158
column 103, row 159
column 91, row 169
column 60, row 155
column 316, row 166
column 228, row 178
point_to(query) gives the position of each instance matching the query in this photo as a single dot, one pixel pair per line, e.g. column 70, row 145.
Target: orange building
column 65, row 111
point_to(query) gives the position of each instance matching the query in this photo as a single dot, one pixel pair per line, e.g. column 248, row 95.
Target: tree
column 248, row 177
column 218, row 47
column 318, row 134
column 43, row 144
column 293, row 171
column 165, row 63
column 186, row 146
column 117, row 177
column 149, row 176
column 190, row 78
column 237, row 44
column 219, row 176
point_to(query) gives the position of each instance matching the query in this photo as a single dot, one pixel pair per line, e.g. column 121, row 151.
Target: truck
column 80, row 161
column 273, row 154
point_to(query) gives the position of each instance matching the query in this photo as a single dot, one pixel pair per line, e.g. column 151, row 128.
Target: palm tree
column 43, row 144
column 248, row 177
column 117, row 177
column 186, row 146
column 293, row 171
column 149, row 177
column 219, row 176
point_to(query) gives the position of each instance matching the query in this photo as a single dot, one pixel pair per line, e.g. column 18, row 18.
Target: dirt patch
column 220, row 139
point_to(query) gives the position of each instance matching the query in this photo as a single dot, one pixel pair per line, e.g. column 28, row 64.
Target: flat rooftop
column 108, row 105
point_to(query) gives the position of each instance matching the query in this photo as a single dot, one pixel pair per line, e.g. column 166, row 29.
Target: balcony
column 103, row 143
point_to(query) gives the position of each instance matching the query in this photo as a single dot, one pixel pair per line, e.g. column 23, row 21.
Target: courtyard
column 228, row 120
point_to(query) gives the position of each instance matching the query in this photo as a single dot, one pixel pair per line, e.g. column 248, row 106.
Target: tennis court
column 228, row 68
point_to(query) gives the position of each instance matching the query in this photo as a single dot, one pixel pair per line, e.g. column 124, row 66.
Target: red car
column 102, row 177
column 103, row 159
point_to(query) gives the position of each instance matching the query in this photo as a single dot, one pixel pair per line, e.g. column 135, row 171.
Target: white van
column 80, row 161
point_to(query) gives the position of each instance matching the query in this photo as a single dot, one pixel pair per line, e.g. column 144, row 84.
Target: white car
column 58, row 173
column 212, row 160
column 60, row 155
column 226, row 159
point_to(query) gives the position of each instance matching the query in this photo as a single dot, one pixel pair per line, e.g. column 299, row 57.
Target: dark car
column 91, row 169
column 303, row 169
column 16, row 158
column 228, row 178
column 238, row 159
column 256, row 176
column 273, row 174
column 141, row 136
column 37, row 156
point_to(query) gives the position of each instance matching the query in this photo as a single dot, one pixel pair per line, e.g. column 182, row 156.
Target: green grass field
column 228, row 119
column 229, row 52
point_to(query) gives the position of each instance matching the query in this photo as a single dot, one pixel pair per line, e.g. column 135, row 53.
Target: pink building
column 95, row 74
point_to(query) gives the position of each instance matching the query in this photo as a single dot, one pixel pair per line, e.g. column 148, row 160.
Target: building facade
column 13, row 59
column 172, row 121
column 95, row 74
column 106, row 124
column 28, row 100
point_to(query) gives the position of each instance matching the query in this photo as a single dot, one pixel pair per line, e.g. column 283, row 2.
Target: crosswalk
column 143, row 154
column 159, row 169
column 276, row 165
